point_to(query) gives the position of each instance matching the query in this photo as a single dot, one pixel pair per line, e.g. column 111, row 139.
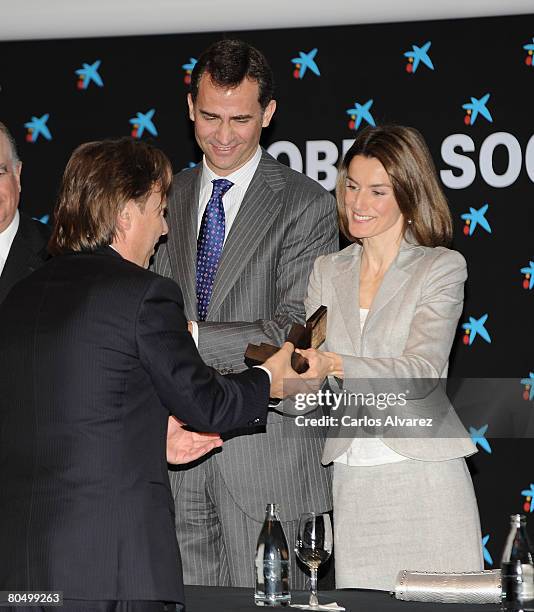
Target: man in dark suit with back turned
column 95, row 356
column 22, row 239
column 272, row 223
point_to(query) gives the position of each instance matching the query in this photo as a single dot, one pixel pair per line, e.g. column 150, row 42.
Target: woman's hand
column 322, row 364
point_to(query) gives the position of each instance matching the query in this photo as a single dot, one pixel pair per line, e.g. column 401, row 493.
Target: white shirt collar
column 241, row 177
column 8, row 235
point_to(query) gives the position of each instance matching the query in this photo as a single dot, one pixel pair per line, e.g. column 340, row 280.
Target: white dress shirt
column 231, row 199
column 6, row 239
column 234, row 196
column 368, row 451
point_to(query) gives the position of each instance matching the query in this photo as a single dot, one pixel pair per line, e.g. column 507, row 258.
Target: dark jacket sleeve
column 186, row 386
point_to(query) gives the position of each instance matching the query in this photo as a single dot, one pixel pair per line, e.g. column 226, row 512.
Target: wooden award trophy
column 311, row 335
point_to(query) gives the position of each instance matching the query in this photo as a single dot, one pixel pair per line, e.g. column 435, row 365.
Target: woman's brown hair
column 406, row 158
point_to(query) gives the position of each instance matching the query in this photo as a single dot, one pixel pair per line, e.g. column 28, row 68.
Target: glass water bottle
column 517, row 567
column 272, row 562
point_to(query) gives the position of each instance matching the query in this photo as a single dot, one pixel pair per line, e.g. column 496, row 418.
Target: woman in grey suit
column 394, row 298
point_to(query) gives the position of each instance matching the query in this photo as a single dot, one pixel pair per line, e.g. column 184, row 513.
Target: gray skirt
column 414, row 515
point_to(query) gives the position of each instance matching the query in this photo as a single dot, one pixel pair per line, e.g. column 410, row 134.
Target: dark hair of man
column 100, row 178
column 228, row 62
column 406, row 159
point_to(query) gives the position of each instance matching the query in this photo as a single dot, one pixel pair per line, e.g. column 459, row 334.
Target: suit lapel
column 396, row 276
column 257, row 213
column 347, row 290
column 183, row 240
column 347, row 287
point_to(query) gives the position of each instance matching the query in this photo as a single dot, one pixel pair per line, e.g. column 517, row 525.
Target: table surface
column 231, row 599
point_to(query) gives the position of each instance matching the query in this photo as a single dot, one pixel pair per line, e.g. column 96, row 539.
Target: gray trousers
column 217, row 539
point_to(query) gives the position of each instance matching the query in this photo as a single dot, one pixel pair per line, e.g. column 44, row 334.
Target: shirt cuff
column 273, row 402
column 194, row 331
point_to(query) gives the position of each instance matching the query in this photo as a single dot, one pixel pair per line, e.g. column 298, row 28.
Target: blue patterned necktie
column 209, row 245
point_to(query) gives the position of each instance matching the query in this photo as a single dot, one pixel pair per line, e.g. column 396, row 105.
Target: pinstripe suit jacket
column 285, row 221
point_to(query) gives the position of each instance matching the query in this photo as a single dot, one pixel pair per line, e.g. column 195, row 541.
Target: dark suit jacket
column 27, row 253
column 97, row 353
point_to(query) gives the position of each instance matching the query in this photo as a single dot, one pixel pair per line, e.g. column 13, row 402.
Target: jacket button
column 254, row 421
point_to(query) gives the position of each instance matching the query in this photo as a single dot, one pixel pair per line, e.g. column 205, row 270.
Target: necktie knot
column 220, row 187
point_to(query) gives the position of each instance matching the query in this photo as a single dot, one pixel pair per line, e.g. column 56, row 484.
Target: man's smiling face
column 228, row 123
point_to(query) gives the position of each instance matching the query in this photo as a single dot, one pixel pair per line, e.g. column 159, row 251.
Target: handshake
column 298, row 366
column 184, row 445
column 285, row 381
column 292, row 370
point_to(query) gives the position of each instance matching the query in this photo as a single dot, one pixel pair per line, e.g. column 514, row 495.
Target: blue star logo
column 304, row 62
column 37, row 127
column 89, row 73
column 485, row 551
column 529, row 48
column 359, row 113
column 528, row 271
column 478, row 436
column 529, row 385
column 44, row 219
column 188, row 67
column 418, row 55
column 475, row 328
column 476, row 107
column 529, row 494
column 142, row 122
column 476, row 217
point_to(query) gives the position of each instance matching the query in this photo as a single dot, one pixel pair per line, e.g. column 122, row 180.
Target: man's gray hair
column 15, row 160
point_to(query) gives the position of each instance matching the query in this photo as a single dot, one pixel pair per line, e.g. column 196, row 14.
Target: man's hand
column 286, row 382
column 279, row 365
column 184, row 446
column 322, row 363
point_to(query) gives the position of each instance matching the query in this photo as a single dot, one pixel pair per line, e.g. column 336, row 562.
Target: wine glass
column 314, row 546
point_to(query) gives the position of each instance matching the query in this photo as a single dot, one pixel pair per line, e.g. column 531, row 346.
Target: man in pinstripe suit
column 276, row 222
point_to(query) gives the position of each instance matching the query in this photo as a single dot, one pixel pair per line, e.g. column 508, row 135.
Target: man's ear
column 124, row 218
column 268, row 113
column 191, row 106
column 18, row 170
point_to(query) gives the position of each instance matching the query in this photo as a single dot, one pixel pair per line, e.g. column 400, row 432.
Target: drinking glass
column 314, row 546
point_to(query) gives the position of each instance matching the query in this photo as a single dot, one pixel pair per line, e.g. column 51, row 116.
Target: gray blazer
column 408, row 333
column 285, row 221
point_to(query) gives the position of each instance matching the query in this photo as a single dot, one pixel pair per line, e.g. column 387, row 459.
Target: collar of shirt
column 6, row 239
column 232, row 199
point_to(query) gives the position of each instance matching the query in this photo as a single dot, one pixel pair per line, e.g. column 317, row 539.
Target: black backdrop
column 470, row 58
